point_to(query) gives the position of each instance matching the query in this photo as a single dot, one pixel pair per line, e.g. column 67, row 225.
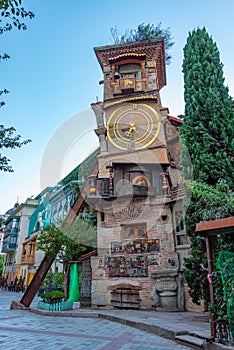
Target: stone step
column 189, row 340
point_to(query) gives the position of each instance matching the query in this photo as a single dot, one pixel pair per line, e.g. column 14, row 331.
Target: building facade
column 15, row 231
column 3, row 217
column 24, row 222
column 65, row 193
column 39, row 219
column 137, row 193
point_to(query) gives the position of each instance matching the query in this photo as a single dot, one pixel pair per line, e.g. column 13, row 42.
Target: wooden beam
column 226, row 224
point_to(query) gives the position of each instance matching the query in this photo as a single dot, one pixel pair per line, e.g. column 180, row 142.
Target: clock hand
column 132, row 129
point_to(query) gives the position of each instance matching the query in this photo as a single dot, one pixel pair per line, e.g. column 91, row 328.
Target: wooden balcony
column 127, row 85
column 103, row 188
column 28, row 259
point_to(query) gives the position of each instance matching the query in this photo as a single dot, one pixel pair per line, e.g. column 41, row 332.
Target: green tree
column 144, row 32
column 208, row 133
column 8, row 139
column 68, row 243
column 58, row 279
column 2, row 261
column 12, row 14
column 208, row 203
column 208, row 128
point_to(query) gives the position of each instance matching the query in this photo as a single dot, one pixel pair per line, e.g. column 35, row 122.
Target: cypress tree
column 208, row 128
column 208, row 133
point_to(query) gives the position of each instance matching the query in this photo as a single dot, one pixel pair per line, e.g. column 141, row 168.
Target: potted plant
column 54, row 301
column 52, row 297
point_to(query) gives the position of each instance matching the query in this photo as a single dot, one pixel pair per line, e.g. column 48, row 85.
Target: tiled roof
column 144, row 50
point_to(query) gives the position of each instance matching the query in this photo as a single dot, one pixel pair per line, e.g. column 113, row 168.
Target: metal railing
column 8, row 246
column 222, row 331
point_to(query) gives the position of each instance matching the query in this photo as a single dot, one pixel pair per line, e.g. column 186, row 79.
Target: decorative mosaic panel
column 136, row 246
column 86, row 279
column 131, row 265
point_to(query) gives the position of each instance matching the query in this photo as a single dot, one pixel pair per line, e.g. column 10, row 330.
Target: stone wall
column 189, row 305
column 132, row 263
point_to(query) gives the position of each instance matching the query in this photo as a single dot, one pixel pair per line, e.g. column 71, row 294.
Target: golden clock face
column 133, row 126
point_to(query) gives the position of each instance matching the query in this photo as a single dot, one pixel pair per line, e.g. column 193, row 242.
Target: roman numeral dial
column 133, row 126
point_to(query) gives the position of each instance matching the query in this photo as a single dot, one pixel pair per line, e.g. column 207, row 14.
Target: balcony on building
column 9, row 246
column 28, row 252
column 128, row 78
column 11, row 226
column 28, row 259
column 10, row 238
column 137, row 185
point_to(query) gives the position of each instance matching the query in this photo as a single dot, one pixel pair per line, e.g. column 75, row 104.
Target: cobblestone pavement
column 27, row 330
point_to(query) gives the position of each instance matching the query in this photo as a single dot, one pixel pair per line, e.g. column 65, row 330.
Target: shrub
column 52, row 297
column 58, row 280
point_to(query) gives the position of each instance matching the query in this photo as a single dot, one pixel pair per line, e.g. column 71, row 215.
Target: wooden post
column 36, row 281
column 211, row 288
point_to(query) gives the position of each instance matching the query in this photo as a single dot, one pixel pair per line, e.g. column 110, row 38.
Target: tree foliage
column 208, row 133
column 50, row 241
column 67, row 242
column 12, row 15
column 53, row 297
column 208, row 128
column 144, row 32
column 208, row 203
column 224, row 266
column 8, row 139
column 80, row 237
column 2, row 262
column 212, row 202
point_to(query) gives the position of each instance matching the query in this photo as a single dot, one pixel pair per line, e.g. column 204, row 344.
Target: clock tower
column 137, row 193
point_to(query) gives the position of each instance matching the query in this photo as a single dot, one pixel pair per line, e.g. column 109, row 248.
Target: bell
column 116, row 75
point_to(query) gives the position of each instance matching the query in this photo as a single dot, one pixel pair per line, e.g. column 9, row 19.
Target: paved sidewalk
column 193, row 326
column 164, row 324
column 21, row 329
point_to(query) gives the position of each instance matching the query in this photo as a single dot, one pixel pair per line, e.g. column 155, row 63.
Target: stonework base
column 16, row 305
column 167, row 295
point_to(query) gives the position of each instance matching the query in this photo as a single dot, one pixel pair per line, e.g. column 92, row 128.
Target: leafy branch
column 9, row 140
column 11, row 14
column 12, row 11
column 144, row 32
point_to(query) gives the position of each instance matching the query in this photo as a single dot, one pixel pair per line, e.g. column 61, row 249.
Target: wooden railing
column 28, row 259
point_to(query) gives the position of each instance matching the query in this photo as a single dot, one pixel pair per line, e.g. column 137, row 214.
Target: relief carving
column 129, row 212
column 165, row 285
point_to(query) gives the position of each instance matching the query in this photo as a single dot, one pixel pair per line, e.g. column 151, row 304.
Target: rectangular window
column 181, row 236
column 135, row 231
column 179, row 221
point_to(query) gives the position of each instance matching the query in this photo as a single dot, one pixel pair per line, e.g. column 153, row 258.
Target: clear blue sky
column 53, row 74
